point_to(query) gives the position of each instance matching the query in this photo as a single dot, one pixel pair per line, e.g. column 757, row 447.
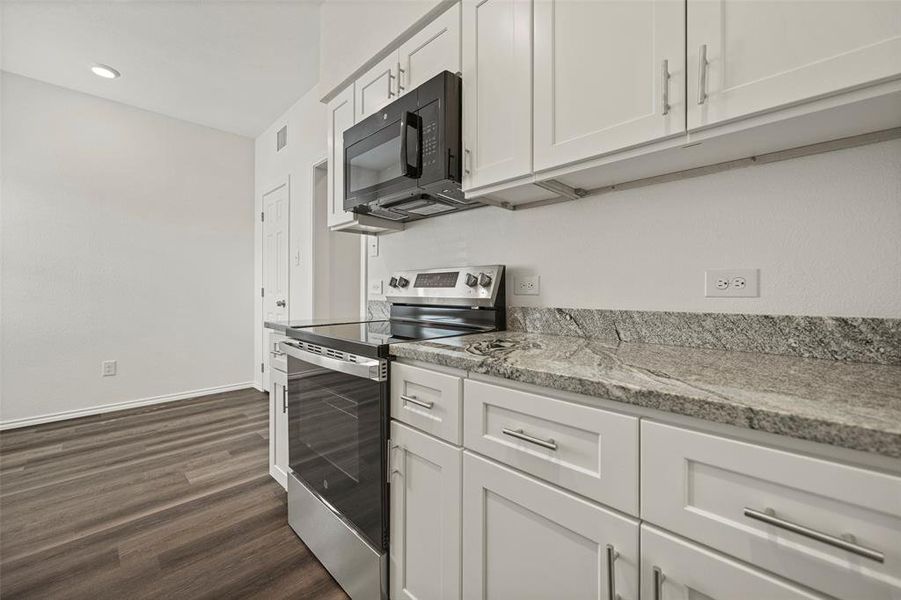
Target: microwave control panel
column 430, row 141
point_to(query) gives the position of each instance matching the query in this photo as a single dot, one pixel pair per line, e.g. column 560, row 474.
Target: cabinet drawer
column 686, row 571
column 725, row 493
column 427, row 400
column 590, row 451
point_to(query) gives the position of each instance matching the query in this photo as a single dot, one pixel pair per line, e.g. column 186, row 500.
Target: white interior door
column 275, row 259
column 747, row 57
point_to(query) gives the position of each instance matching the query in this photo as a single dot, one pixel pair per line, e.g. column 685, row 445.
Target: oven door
column 386, row 164
column 337, row 434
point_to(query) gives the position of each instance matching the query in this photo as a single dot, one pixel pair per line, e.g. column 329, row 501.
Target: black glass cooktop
column 372, row 338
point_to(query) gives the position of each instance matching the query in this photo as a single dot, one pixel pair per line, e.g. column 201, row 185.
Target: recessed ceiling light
column 105, row 72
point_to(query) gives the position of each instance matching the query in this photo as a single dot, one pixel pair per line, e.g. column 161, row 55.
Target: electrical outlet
column 108, row 368
column 373, row 245
column 528, row 285
column 732, row 283
column 375, row 287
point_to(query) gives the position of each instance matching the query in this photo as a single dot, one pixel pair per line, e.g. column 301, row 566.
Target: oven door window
column 335, row 430
column 382, row 163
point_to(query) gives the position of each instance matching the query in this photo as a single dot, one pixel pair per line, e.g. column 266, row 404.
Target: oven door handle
column 368, row 369
column 410, row 120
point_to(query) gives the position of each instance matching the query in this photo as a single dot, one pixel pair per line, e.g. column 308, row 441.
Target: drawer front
column 525, row 539
column 685, row 571
column 784, row 512
column 590, row 451
column 427, row 400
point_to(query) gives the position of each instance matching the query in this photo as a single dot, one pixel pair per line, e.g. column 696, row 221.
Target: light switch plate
column 108, row 368
column 732, row 283
column 373, row 245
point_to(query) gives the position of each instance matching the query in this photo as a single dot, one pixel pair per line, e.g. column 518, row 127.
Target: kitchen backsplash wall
column 823, row 230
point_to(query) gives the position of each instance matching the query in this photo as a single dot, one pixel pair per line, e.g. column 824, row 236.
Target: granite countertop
column 852, row 405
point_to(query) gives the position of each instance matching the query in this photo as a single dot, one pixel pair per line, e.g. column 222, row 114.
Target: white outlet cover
column 108, row 368
column 375, row 288
column 721, row 283
column 373, row 245
column 527, row 285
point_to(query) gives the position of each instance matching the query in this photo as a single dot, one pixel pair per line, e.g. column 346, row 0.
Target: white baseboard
column 104, row 408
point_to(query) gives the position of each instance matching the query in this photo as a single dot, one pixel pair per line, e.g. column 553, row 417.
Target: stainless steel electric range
column 338, row 399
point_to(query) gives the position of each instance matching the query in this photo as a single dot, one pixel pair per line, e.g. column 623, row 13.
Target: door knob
column 280, row 303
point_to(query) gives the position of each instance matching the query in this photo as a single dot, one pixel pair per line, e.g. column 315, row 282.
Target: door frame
column 261, row 316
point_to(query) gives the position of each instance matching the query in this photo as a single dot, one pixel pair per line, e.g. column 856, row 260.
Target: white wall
column 355, row 32
column 126, row 235
column 824, row 230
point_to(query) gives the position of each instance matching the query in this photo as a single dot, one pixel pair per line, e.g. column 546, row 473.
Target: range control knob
column 484, row 280
column 402, row 282
column 471, row 280
column 392, row 282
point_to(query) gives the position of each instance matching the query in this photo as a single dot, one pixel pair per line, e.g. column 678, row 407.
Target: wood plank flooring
column 169, row 501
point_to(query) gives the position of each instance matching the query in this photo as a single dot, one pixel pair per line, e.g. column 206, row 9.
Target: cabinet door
column 341, row 116
column 764, row 55
column 425, row 516
column 376, row 88
column 278, row 427
column 434, row 49
column 609, row 74
column 685, row 571
column 527, row 539
column 497, row 91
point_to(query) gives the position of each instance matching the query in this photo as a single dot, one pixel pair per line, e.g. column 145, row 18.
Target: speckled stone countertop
column 852, row 405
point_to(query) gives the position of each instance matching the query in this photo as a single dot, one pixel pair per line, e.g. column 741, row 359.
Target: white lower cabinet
column 675, row 569
column 425, row 516
column 278, row 426
column 525, row 539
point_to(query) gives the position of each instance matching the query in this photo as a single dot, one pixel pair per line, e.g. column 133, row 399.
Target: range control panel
column 458, row 286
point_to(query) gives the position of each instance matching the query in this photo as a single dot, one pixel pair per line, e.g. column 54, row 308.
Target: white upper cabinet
column 608, row 75
column 497, row 91
column 434, row 49
column 376, row 88
column 340, row 117
column 747, row 57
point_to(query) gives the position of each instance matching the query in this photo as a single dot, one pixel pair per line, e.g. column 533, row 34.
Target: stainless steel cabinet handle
column 702, row 73
column 518, row 434
column 391, row 78
column 665, row 85
column 467, row 162
column 280, row 303
column 658, row 583
column 284, row 399
column 612, row 555
column 400, row 74
column 392, row 465
column 769, row 517
column 418, row 402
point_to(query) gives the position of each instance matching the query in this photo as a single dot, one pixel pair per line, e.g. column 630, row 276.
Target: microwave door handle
column 410, row 120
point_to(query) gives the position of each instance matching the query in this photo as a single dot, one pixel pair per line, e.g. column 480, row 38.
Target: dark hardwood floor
column 168, row 501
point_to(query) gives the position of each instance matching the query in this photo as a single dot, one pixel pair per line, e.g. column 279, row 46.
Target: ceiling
column 232, row 65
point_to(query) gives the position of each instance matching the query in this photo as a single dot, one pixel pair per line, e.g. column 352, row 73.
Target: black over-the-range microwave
column 405, row 161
